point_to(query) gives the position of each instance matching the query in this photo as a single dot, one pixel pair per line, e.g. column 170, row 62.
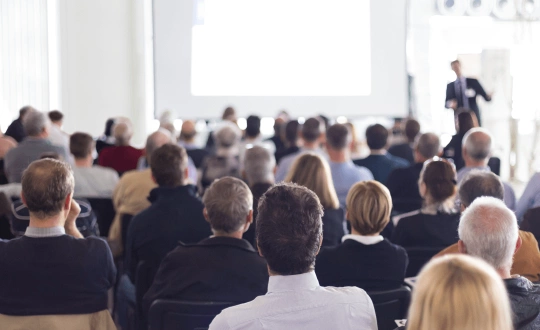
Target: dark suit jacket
column 216, row 269
column 381, row 165
column 16, row 130
column 426, row 230
column 379, row 266
column 402, row 150
column 403, row 186
column 333, row 226
column 471, row 84
column 197, row 155
column 257, row 190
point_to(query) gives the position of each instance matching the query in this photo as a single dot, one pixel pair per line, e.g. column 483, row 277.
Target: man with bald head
column 477, row 145
column 122, row 157
column 187, row 140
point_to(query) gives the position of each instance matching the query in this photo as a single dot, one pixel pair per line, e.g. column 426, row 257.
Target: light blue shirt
column 509, row 194
column 530, row 198
column 36, row 232
column 345, row 175
column 286, row 162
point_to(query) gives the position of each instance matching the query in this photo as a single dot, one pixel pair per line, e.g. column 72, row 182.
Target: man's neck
column 473, row 163
column 236, row 234
column 56, row 221
column 377, row 151
column 337, row 156
column 83, row 162
column 311, row 145
column 504, row 273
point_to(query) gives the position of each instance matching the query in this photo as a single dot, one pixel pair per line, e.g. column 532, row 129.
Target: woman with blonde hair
column 459, row 292
column 313, row 172
column 365, row 259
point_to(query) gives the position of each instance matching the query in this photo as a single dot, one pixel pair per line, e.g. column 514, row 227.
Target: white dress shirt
column 366, row 240
column 299, row 302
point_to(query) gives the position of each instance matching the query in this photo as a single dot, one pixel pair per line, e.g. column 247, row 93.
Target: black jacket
column 453, row 150
column 426, row 230
column 473, row 84
column 220, row 269
column 525, row 300
column 333, row 226
column 402, row 150
column 403, row 186
column 16, row 130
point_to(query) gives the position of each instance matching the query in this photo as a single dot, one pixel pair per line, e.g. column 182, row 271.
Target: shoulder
column 399, row 161
column 406, row 218
column 344, row 295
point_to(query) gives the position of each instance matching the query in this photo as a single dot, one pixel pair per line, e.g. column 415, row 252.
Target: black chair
column 183, row 315
column 418, row 257
column 125, row 220
column 104, row 210
column 390, row 305
column 146, row 271
column 494, row 164
column 531, row 222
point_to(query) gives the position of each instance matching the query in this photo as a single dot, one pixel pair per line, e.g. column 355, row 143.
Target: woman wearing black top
column 465, row 121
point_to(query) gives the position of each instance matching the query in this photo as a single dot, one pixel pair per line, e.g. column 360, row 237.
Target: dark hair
column 55, row 115
column 466, row 120
column 480, row 183
column 291, row 132
column 253, row 126
column 412, row 128
column 440, row 179
column 289, row 228
column 24, row 110
column 229, row 113
column 168, row 164
column 81, row 145
column 338, row 136
column 376, row 136
column 108, row 126
column 45, row 185
column 312, row 129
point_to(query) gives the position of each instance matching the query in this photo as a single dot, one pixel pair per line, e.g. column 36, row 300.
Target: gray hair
column 489, row 231
column 480, row 183
column 259, row 165
column 228, row 202
column 227, row 136
column 428, row 145
column 477, row 143
column 122, row 132
column 35, row 122
column 156, row 140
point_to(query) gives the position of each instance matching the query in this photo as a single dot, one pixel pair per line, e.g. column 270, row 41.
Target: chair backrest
column 418, row 257
column 494, row 164
column 531, row 222
column 183, row 315
column 105, row 213
column 390, row 305
column 125, row 220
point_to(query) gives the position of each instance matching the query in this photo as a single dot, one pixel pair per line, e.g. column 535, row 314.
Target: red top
column 120, row 158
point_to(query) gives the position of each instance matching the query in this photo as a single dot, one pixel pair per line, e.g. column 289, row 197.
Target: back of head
column 312, row 129
column 466, row 120
column 226, row 136
column 122, row 133
column 35, row 122
column 440, row 179
column 312, row 171
column 289, row 228
column 156, row 140
column 477, row 143
column 291, row 132
column 81, row 145
column 368, row 207
column 56, row 116
column 338, row 137
column 229, row 114
column 428, row 145
column 24, row 110
column 412, row 128
column 188, row 131
column 45, row 185
column 227, row 201
column 168, row 164
column 259, row 165
column 109, row 124
column 459, row 292
column 480, row 183
column 376, row 137
column 253, row 126
column 489, row 231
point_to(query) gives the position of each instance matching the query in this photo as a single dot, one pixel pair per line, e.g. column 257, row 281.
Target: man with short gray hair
column 36, row 125
column 488, row 230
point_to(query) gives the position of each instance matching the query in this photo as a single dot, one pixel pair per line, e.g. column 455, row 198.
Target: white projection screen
column 332, row 57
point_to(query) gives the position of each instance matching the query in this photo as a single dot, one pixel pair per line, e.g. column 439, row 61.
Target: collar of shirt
column 280, row 283
column 366, row 240
column 45, row 232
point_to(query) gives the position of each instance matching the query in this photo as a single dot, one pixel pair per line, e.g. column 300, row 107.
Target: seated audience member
column 6, row 144
column 344, row 172
column 290, row 138
column 106, row 140
column 36, row 126
column 225, row 162
column 453, row 150
column 355, row 146
column 489, row 230
column 476, row 153
column 253, row 137
column 232, row 270
column 459, row 292
column 311, row 171
column 52, row 269
column 187, row 140
column 479, row 183
column 122, row 157
column 530, row 198
column 16, row 128
column 406, row 150
column 228, row 117
column 56, row 135
column 365, row 259
column 403, row 182
column 435, row 224
column 289, row 235
column 279, row 127
column 90, row 181
column 312, row 134
column 379, row 162
column 259, row 167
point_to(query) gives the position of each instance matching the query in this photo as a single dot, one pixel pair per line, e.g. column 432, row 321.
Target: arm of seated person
column 70, row 226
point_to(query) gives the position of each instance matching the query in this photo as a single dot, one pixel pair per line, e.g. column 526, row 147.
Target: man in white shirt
column 56, row 135
column 289, row 236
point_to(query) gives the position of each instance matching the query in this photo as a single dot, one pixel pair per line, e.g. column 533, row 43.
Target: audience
column 435, row 224
column 403, row 182
column 232, row 270
column 6, row 144
column 228, row 117
column 16, row 129
column 379, row 161
column 91, row 181
column 290, row 138
column 459, row 292
column 279, row 127
column 290, row 241
column 312, row 134
column 52, row 269
column 187, row 140
column 355, row 146
column 122, row 157
column 489, row 230
column 479, row 183
column 530, row 197
column 476, row 153
column 253, row 137
column 36, row 127
column 453, row 150
column 365, row 259
column 406, row 150
column 106, row 140
column 312, row 171
column 56, row 136
column 259, row 167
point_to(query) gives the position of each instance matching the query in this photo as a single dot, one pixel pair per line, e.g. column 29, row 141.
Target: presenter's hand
column 490, row 96
column 453, row 104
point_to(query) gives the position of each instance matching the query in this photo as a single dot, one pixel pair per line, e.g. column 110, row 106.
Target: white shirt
column 366, row 240
column 94, row 182
column 299, row 302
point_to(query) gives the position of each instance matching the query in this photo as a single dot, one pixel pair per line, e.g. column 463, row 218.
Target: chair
column 494, row 164
column 146, row 271
column 418, row 257
column 390, row 305
column 104, row 210
column 125, row 220
column 183, row 315
column 531, row 222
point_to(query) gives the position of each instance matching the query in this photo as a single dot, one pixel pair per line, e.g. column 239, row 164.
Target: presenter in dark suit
column 462, row 93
